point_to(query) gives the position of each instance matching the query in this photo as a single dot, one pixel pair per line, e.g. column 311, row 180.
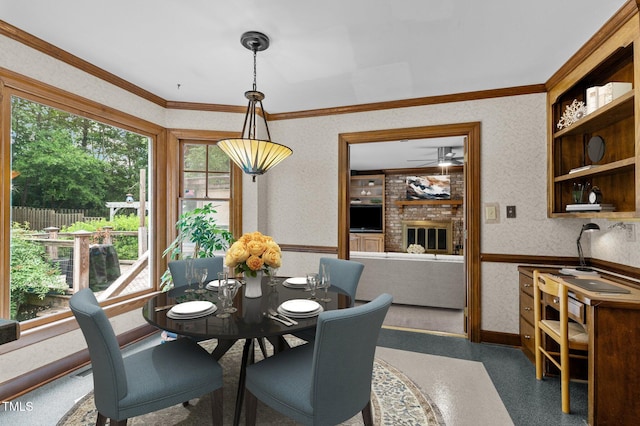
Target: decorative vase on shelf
column 253, row 286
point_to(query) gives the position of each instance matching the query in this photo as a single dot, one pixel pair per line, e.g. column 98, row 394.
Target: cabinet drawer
column 527, row 339
column 526, row 284
column 526, row 307
column 576, row 308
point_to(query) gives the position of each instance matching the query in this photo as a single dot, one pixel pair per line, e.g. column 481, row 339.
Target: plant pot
column 253, row 286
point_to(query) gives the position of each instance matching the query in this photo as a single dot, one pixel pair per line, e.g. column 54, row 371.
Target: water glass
column 325, row 282
column 223, row 295
column 312, row 284
column 201, row 276
column 189, row 273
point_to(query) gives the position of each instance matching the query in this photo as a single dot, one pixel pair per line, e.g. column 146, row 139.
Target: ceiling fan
column 446, row 158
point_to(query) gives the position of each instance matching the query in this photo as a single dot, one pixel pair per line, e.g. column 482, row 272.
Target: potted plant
column 200, row 228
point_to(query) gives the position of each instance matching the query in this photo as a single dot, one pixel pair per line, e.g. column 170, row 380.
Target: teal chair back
column 327, row 381
column 178, row 269
column 343, row 356
column 147, row 380
column 345, row 275
column 110, row 381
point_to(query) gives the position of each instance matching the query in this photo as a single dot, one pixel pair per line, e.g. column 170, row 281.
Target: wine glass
column 231, row 289
column 201, row 276
column 325, row 282
column 312, row 284
column 189, row 273
column 273, row 280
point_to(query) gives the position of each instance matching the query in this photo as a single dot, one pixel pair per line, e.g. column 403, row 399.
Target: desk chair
column 327, row 381
column 146, row 381
column 345, row 275
column 178, row 269
column 568, row 334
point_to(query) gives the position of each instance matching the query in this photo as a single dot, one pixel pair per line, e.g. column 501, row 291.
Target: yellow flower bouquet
column 253, row 252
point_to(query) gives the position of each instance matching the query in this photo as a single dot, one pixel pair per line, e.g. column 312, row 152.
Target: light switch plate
column 491, row 213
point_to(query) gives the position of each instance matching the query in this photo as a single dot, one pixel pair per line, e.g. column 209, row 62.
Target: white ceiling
column 323, row 54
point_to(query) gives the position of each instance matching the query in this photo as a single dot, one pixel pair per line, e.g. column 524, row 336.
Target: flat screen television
column 365, row 218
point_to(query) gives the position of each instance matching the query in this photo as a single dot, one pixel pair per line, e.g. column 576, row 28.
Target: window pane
column 222, row 217
column 218, row 160
column 194, row 157
column 72, row 173
column 194, row 184
column 219, row 185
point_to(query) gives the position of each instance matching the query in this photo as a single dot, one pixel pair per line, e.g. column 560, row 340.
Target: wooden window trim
column 13, row 84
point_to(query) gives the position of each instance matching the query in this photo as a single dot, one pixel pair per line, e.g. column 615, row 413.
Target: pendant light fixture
column 254, row 155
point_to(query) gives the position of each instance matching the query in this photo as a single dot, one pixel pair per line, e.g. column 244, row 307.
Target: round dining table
column 251, row 321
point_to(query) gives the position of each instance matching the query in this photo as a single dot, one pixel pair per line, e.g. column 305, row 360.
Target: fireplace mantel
column 453, row 203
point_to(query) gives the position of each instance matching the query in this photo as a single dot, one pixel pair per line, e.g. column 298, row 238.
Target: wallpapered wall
column 297, row 201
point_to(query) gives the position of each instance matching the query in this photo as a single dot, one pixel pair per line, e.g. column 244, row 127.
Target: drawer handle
column 527, row 308
column 526, row 285
column 556, row 300
column 526, row 336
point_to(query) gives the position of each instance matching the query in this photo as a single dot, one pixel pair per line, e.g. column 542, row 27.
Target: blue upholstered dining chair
column 345, row 275
column 325, row 382
column 146, row 381
column 178, row 269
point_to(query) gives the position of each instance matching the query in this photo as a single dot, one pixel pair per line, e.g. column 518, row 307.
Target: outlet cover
column 630, row 230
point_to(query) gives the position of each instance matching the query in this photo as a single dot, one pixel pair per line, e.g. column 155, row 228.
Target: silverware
column 163, row 308
column 275, row 318
column 278, row 314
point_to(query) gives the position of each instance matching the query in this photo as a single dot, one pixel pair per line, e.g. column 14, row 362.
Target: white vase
column 253, row 286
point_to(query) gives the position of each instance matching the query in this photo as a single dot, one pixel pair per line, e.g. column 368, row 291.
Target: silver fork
column 278, row 314
column 280, row 320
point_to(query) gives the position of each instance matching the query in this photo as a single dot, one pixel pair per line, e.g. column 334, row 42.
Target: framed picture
column 436, row 187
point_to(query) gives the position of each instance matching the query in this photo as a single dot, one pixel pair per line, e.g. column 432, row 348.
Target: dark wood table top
column 247, row 323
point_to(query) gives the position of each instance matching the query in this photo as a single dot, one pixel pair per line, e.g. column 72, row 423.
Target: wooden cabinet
column 367, row 213
column 366, row 242
column 615, row 122
column 526, row 315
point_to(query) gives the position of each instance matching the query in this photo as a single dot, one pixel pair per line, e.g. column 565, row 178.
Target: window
column 205, row 178
column 67, row 170
column 70, row 157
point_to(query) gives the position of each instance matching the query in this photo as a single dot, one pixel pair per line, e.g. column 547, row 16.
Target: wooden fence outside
column 39, row 219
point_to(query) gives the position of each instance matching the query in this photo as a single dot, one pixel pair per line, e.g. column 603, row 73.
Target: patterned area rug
column 396, row 400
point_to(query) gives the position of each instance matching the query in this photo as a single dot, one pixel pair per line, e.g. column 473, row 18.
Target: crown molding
column 626, row 12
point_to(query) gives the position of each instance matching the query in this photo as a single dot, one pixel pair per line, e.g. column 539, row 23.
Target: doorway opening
column 470, row 202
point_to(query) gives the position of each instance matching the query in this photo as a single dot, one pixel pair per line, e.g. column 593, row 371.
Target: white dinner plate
column 213, row 285
column 300, row 306
column 294, row 282
column 190, row 308
column 300, row 315
column 175, row 316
